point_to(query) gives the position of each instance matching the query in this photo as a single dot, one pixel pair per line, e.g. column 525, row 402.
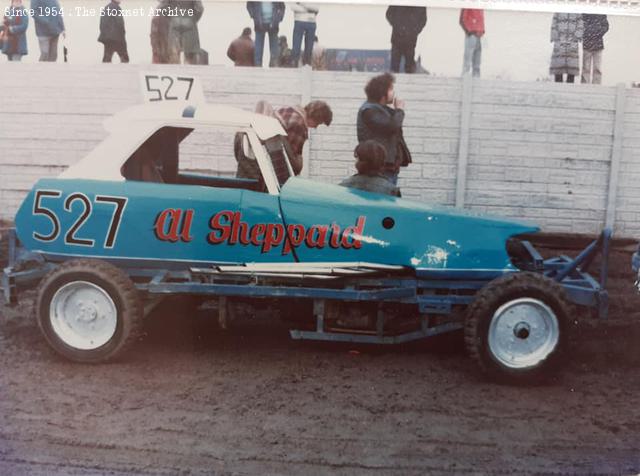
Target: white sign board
column 158, row 86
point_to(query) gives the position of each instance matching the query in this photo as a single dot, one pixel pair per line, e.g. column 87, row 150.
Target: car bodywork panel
column 307, row 222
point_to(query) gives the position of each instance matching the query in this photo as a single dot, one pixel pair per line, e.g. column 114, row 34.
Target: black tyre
column 89, row 310
column 516, row 329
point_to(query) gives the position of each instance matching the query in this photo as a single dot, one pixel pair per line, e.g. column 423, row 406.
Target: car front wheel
column 516, row 328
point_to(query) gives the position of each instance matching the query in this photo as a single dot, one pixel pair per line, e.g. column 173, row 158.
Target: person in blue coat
column 15, row 23
column 47, row 15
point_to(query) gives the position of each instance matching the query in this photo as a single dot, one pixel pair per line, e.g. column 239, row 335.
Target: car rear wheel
column 89, row 310
column 516, row 328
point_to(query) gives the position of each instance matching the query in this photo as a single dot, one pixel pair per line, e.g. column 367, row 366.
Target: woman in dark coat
column 14, row 29
column 112, row 33
column 566, row 35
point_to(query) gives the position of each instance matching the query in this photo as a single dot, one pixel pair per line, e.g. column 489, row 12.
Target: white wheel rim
column 83, row 315
column 523, row 333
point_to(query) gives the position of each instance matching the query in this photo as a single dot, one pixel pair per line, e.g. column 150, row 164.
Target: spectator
column 296, row 121
column 406, row 24
column 14, row 31
column 241, row 50
column 112, row 33
column 595, row 27
column 183, row 31
column 318, row 56
column 304, row 26
column 47, row 17
column 566, row 35
column 370, row 157
column 284, row 53
column 266, row 19
column 472, row 22
column 380, row 122
column 160, row 35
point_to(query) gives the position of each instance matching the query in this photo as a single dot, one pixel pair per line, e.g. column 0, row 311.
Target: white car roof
column 128, row 129
column 182, row 113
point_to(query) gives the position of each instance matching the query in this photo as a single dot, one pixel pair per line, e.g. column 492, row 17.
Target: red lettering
column 172, row 215
column 185, row 234
column 216, row 225
column 334, row 242
column 356, row 232
column 320, row 240
column 239, row 230
column 273, row 236
column 294, row 239
column 257, row 231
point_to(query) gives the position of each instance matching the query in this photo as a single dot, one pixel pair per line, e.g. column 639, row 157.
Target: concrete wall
column 539, row 151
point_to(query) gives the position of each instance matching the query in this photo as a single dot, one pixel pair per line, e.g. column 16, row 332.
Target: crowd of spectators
column 175, row 39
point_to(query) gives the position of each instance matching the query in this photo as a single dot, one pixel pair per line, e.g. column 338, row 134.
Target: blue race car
column 131, row 223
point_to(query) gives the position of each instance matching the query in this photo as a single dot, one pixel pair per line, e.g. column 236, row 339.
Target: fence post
column 463, row 144
column 616, row 155
column 306, row 93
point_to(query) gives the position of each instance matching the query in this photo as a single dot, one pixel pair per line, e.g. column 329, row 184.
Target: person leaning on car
column 297, row 121
column 380, row 118
column 370, row 156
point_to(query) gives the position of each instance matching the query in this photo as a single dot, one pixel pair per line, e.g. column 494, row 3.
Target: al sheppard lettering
column 227, row 226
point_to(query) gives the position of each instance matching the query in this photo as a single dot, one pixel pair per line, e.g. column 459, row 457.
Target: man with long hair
column 381, row 118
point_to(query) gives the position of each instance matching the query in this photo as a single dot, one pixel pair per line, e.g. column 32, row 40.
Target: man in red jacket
column 472, row 22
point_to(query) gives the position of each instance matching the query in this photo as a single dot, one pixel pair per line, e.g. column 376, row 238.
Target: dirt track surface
column 192, row 399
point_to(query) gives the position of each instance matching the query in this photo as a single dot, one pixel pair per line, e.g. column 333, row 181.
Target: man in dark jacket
column 112, row 34
column 595, row 27
column 47, row 16
column 266, row 19
column 241, row 50
column 406, row 24
column 379, row 121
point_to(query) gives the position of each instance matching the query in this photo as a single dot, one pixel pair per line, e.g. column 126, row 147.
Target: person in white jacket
column 304, row 25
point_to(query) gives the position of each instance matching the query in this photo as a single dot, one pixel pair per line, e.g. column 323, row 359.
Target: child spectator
column 370, row 157
column 241, row 50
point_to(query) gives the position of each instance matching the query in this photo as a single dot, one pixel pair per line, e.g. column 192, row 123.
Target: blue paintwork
column 423, row 237
column 136, row 239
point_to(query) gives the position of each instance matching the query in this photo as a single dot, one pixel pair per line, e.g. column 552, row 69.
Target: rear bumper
column 24, row 270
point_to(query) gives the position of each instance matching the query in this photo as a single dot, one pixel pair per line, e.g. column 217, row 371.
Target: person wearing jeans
column 266, row 18
column 472, row 22
column 595, row 27
column 47, row 15
column 304, row 27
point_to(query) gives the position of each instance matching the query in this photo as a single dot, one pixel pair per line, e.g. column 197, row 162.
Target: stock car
column 129, row 225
